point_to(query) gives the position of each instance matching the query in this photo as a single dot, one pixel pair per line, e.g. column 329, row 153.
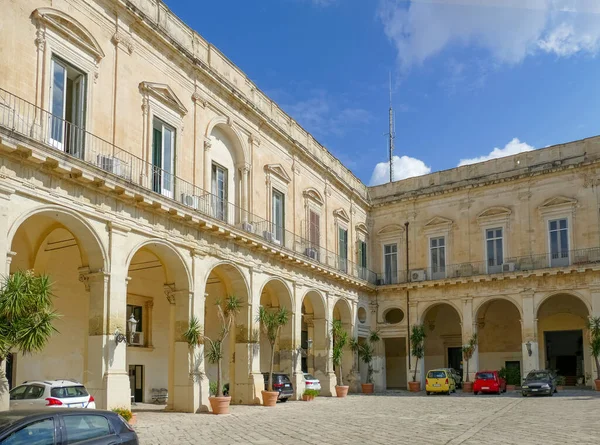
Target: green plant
column 503, row 373
column 593, row 326
column 366, row 352
column 417, row 345
column 311, row 392
column 212, row 388
column 124, row 413
column 513, row 376
column 226, row 312
column 340, row 340
column 468, row 350
column 193, row 335
column 560, row 380
column 271, row 323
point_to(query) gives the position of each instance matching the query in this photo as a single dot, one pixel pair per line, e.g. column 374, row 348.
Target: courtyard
column 396, row 417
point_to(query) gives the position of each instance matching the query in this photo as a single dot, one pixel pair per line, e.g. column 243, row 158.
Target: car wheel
column 427, row 392
column 523, row 394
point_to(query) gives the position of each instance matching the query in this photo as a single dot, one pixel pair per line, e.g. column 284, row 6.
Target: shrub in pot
column 593, row 326
column 365, row 353
column 340, row 340
column 468, row 350
column 417, row 349
column 309, row 395
column 271, row 323
column 126, row 414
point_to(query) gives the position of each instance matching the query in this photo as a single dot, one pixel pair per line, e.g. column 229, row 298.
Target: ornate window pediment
column 163, row 93
column 494, row 215
column 313, row 194
column 558, row 202
column 361, row 227
column 438, row 221
column 391, row 229
column 69, row 28
column 278, row 171
column 341, row 214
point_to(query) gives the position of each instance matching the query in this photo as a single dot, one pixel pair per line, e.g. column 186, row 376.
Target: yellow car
column 439, row 380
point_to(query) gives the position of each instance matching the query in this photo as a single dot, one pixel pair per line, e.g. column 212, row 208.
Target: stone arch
column 239, row 144
column 433, row 304
column 282, row 287
column 442, row 322
column 342, row 309
column 239, row 287
column 481, row 305
column 572, row 293
column 314, row 334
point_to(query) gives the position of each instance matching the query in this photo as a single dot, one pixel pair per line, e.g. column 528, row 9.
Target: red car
column 488, row 382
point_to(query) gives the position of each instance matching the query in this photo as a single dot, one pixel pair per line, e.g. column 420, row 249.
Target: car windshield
column 484, row 376
column 309, row 377
column 68, row 391
column 537, row 376
column 436, row 375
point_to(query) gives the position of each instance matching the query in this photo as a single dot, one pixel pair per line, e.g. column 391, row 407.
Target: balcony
column 20, row 117
column 575, row 259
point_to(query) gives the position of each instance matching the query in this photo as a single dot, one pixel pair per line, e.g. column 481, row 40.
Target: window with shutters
column 343, row 249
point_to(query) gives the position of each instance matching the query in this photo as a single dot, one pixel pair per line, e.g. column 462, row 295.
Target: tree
column 26, row 317
column 417, row 345
column 271, row 323
column 468, row 350
column 340, row 340
column 226, row 312
column 593, row 325
column 366, row 352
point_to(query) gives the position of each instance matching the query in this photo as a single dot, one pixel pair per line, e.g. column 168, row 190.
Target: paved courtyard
column 571, row 417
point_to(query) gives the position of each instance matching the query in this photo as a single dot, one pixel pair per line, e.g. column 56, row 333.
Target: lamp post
column 131, row 324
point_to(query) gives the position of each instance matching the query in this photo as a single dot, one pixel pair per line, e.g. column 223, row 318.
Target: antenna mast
column 391, row 133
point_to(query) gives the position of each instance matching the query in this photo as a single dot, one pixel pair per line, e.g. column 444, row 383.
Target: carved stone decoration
column 199, row 99
column 169, row 289
column 84, row 277
column 164, row 94
column 40, row 39
column 120, row 38
column 207, row 144
column 254, row 140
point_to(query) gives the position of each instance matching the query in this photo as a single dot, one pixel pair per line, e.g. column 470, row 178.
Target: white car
column 311, row 382
column 51, row 393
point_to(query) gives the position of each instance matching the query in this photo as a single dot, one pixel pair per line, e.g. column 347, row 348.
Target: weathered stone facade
column 149, row 177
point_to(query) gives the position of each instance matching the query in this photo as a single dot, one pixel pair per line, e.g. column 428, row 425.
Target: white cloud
column 404, row 167
column 512, row 148
column 508, row 30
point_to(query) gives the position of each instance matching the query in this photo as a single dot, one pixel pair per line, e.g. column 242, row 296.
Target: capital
column 207, row 144
column 198, row 99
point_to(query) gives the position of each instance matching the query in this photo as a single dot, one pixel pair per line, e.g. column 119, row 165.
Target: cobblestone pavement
column 570, row 417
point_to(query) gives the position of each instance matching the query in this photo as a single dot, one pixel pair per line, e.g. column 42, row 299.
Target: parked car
column 456, row 375
column 61, row 427
column 539, row 382
column 439, row 380
column 54, row 393
column 282, row 384
column 311, row 382
column 488, row 382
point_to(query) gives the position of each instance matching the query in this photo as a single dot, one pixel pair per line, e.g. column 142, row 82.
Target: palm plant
column 366, row 352
column 271, row 323
column 593, row 325
column 340, row 340
column 417, row 345
column 226, row 312
column 468, row 350
column 26, row 314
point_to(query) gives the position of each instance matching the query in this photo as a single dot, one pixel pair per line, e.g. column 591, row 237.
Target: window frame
column 64, row 429
column 342, row 262
column 384, row 244
column 280, row 237
column 487, row 265
column 550, row 220
column 438, row 275
column 221, row 205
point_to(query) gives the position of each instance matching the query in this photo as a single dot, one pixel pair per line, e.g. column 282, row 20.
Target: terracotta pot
column 467, row 386
column 133, row 419
column 511, row 387
column 307, row 398
column 341, row 391
column 269, row 398
column 597, row 383
column 414, row 386
column 220, row 405
column 368, row 388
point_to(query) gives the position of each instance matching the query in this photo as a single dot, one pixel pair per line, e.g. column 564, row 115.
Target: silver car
column 311, row 382
column 51, row 393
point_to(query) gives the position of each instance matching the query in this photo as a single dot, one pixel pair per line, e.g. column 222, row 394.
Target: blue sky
column 472, row 79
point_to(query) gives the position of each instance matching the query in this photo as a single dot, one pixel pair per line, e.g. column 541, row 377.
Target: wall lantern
column 529, row 351
column 309, row 343
column 131, row 325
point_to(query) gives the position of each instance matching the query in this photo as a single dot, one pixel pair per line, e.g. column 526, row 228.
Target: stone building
column 149, row 177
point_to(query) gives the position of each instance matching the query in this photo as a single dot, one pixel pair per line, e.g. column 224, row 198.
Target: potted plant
column 309, row 395
column 560, row 383
column 271, row 323
column 468, row 350
column 226, row 312
column 417, row 349
column 513, row 378
column 127, row 415
column 340, row 340
column 593, row 326
column 365, row 352
column 26, row 319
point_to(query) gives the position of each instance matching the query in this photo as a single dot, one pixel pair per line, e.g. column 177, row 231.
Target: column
column 323, row 345
column 415, row 365
column 595, row 294
column 529, row 335
column 245, row 170
column 354, row 379
column 297, row 374
column 6, row 254
column 469, row 328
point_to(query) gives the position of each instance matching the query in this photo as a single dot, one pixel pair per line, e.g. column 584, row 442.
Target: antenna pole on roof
column 391, row 133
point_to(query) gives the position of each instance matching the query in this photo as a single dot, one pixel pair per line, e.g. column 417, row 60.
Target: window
column 362, row 259
column 40, row 432
column 66, row 392
column 343, row 249
column 437, row 248
column 559, row 242
column 314, row 235
column 163, row 158
column 494, row 251
column 278, row 215
column 18, row 393
column 35, row 392
column 390, row 260
column 67, row 105
column 219, row 191
column 80, row 428
column 138, row 338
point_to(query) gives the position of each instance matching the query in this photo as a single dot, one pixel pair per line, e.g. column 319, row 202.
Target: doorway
column 136, row 383
column 564, row 354
column 455, row 359
column 395, row 363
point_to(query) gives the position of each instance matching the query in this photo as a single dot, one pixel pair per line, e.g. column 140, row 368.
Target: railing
column 22, row 117
column 574, row 258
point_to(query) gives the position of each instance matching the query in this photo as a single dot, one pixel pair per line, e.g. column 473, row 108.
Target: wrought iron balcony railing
column 567, row 258
column 22, row 117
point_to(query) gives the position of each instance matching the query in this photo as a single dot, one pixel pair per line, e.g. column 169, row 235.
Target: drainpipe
column 407, row 294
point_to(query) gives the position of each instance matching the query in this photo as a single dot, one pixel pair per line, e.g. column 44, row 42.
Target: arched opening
column 314, row 335
column 562, row 337
column 443, row 341
column 499, row 338
column 158, row 299
column 396, row 360
column 224, row 280
column 343, row 312
column 64, row 247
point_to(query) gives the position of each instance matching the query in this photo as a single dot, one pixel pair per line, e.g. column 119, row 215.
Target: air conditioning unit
column 248, row 227
column 190, row 200
column 380, row 282
column 312, row 253
column 112, row 165
column 418, row 275
column 268, row 235
column 508, row 267
column 137, row 339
